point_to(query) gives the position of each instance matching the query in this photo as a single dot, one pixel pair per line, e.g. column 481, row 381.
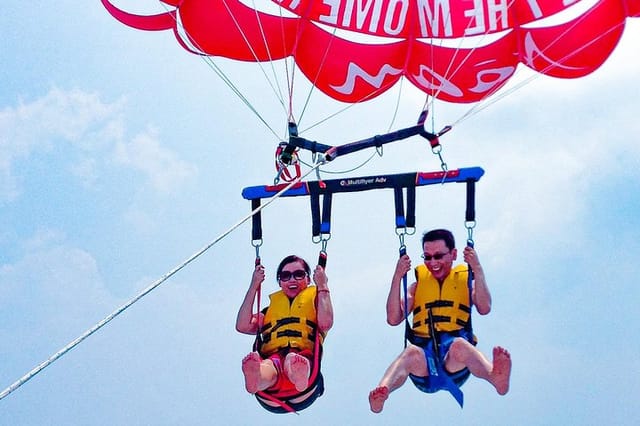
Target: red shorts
column 283, row 385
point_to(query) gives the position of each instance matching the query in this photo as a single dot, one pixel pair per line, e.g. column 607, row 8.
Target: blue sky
column 121, row 155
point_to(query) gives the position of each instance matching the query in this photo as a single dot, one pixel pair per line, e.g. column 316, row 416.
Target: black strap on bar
column 403, row 220
column 470, row 218
column 399, row 202
column 470, row 215
column 325, row 226
column 468, row 325
column 320, row 219
column 256, row 221
column 411, row 207
column 314, row 198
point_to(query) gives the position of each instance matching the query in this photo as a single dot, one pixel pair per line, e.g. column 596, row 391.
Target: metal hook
column 470, row 225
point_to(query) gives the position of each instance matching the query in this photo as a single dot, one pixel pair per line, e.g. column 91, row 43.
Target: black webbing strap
column 470, row 215
column 256, row 221
column 403, row 220
column 320, row 219
column 470, row 219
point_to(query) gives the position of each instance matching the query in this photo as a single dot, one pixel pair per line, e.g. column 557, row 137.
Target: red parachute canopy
column 410, row 42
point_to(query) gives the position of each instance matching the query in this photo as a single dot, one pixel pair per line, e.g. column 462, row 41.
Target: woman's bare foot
column 501, row 370
column 377, row 397
column 251, row 371
column 298, row 370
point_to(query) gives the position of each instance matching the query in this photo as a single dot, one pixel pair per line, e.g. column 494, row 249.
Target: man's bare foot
column 501, row 370
column 377, row 397
column 298, row 370
column 251, row 371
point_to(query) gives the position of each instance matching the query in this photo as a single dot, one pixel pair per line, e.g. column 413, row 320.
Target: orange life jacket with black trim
column 289, row 323
column 449, row 303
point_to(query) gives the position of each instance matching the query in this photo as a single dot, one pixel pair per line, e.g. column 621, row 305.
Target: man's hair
column 291, row 259
column 440, row 234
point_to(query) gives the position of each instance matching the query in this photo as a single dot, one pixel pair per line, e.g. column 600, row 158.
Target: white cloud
column 57, row 286
column 31, row 128
column 84, row 128
column 140, row 220
column 161, row 166
column 86, row 170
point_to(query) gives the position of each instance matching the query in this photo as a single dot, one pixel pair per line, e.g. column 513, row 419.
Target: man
column 439, row 301
column 282, row 363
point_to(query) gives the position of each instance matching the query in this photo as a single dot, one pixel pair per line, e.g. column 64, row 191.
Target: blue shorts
column 446, row 339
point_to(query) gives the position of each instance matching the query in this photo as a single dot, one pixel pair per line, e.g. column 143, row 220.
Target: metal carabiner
column 470, row 224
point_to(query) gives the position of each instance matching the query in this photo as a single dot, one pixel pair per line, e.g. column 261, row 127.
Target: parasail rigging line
column 396, row 109
column 500, row 21
column 223, row 76
column 378, row 150
column 342, row 110
column 32, row 373
column 313, row 83
column 351, row 105
column 271, row 61
column 449, row 73
column 354, row 168
column 491, row 98
column 430, row 101
column 291, row 75
column 312, row 89
column 273, row 82
column 275, row 87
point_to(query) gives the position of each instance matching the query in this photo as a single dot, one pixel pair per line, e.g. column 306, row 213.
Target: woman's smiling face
column 297, row 280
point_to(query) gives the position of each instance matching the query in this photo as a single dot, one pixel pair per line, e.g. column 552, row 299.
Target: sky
column 122, row 155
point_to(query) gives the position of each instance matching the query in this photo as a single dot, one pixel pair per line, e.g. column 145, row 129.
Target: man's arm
column 480, row 294
column 395, row 305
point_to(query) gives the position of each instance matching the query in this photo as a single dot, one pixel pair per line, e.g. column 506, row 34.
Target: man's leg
column 463, row 354
column 410, row 361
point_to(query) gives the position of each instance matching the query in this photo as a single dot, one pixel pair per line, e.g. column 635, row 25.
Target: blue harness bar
column 332, row 186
